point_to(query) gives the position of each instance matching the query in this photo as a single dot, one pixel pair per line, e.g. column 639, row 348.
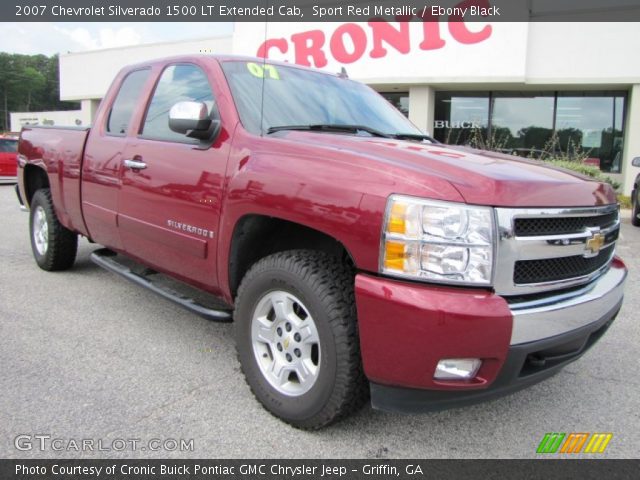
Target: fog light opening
column 457, row 368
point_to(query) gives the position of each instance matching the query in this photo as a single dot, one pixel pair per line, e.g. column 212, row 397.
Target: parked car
column 355, row 255
column 8, row 158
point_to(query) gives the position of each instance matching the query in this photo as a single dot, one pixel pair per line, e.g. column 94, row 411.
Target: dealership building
column 533, row 89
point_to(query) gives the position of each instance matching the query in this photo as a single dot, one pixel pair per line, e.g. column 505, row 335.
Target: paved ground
column 86, row 355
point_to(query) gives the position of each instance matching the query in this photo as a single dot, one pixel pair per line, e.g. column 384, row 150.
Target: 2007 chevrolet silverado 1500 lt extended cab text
column 355, row 255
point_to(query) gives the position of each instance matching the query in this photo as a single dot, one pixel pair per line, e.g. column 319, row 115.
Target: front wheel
column 635, row 208
column 54, row 246
column 297, row 338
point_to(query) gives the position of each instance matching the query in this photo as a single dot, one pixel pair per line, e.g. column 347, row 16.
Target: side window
column 177, row 83
column 8, row 146
column 125, row 102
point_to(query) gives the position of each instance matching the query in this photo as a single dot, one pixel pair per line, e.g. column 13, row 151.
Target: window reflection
column 522, row 123
column 585, row 125
column 293, row 96
column 400, row 100
column 461, row 117
column 591, row 126
column 177, row 83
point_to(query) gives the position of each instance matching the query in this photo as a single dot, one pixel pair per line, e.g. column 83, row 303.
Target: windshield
column 298, row 97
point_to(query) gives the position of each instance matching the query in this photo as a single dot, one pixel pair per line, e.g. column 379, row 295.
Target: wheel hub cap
column 285, row 342
column 40, row 230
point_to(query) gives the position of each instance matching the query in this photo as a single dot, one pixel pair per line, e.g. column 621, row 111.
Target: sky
column 62, row 37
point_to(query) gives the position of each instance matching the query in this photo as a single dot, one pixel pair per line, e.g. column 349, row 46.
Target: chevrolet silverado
column 357, row 257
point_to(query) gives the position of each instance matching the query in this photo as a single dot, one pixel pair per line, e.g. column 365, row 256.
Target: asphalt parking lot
column 85, row 354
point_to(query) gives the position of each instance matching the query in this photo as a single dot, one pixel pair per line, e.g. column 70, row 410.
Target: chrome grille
column 531, row 227
column 552, row 269
column 548, row 249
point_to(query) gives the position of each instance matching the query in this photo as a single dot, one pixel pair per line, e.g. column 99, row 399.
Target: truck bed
column 59, row 150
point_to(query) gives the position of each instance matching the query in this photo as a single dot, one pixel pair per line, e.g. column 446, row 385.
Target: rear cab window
column 125, row 102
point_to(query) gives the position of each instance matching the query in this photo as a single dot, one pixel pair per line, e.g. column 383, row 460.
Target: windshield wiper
column 414, row 136
column 327, row 127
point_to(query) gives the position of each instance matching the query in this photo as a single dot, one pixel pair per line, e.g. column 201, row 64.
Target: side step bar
column 107, row 259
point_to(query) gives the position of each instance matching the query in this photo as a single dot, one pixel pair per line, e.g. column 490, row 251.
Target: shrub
column 588, row 170
column 624, row 201
column 571, row 157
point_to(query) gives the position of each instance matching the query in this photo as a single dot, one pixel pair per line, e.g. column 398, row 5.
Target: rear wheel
column 297, row 339
column 54, row 246
column 635, row 207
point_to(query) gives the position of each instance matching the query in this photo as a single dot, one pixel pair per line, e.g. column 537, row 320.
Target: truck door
column 101, row 167
column 171, row 196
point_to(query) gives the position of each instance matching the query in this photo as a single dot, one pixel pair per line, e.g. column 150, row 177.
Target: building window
column 461, row 118
column 592, row 125
column 400, row 100
column 536, row 124
column 522, row 123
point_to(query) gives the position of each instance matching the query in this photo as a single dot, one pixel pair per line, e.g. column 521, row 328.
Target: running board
column 109, row 260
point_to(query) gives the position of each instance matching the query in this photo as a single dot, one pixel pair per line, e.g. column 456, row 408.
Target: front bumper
column 405, row 329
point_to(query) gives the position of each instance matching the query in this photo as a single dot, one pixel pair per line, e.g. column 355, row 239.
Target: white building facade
column 532, row 89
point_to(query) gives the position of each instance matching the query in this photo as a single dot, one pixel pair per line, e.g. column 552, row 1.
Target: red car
column 8, row 159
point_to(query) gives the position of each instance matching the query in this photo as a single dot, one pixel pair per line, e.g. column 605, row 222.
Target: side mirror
column 192, row 119
column 636, row 162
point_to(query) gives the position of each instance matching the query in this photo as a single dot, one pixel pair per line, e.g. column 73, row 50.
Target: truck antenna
column 264, row 63
column 343, row 73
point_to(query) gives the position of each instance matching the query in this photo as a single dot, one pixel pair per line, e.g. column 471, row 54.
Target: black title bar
column 316, row 469
column 318, row 10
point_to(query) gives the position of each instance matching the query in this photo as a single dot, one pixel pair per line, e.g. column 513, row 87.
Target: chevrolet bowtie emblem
column 595, row 243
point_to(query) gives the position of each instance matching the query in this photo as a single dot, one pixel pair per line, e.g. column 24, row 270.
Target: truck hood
column 480, row 177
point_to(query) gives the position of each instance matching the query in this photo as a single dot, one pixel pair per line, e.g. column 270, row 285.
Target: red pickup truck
column 356, row 256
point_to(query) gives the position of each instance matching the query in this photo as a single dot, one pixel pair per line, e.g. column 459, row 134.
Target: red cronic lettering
column 459, row 29
column 431, row 39
column 385, row 32
column 309, row 44
column 338, row 48
column 279, row 43
column 349, row 41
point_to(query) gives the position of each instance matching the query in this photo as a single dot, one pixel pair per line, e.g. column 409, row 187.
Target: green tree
column 29, row 83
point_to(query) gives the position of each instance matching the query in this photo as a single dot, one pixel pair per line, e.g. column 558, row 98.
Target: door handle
column 135, row 164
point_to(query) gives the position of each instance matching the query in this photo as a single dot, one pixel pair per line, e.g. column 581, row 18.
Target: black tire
column 61, row 243
column 635, row 208
column 324, row 286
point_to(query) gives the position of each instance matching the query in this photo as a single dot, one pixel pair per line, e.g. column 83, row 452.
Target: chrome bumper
column 562, row 313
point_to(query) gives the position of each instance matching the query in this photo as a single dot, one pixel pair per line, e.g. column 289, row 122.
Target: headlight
column 437, row 241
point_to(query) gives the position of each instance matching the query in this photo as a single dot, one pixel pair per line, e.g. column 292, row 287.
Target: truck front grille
column 541, row 250
column 532, row 227
column 553, row 269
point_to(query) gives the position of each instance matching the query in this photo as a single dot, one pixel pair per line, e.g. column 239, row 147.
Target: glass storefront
column 462, row 118
column 593, row 125
column 536, row 124
column 522, row 123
